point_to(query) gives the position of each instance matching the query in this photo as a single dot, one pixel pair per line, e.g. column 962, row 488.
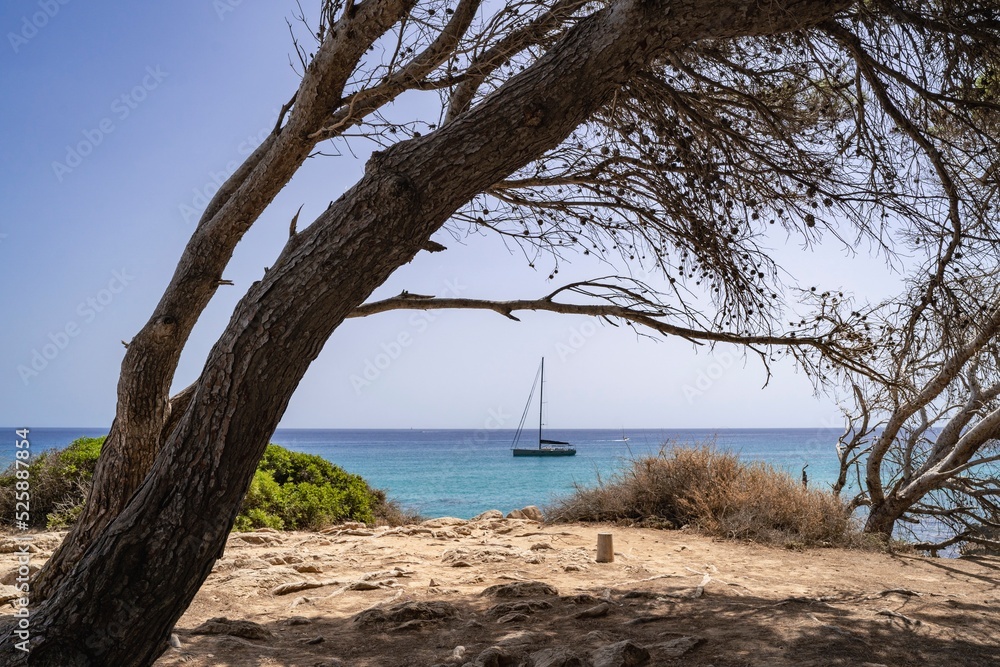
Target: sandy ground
column 422, row 595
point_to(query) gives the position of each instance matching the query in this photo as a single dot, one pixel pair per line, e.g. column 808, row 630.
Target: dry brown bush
column 717, row 494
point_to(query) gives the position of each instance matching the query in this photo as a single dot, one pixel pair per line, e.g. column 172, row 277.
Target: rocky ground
column 493, row 592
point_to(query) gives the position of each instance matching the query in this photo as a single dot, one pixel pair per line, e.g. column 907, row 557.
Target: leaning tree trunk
column 123, row 597
column 151, row 360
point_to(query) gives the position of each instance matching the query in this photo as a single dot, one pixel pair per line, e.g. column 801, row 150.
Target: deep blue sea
column 461, row 473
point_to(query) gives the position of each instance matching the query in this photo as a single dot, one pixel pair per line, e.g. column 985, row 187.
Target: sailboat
column 545, row 447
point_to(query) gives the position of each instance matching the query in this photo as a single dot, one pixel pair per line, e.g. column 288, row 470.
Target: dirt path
column 414, row 596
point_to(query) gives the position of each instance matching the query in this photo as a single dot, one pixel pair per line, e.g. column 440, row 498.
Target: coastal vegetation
column 717, row 494
column 290, row 491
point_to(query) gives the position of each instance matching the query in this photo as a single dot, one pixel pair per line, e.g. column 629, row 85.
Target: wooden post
column 605, row 550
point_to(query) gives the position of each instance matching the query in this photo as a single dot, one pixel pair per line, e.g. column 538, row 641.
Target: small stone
column 363, row 586
column 296, row 620
column 307, row 568
column 319, row 639
column 540, row 546
column 622, row 654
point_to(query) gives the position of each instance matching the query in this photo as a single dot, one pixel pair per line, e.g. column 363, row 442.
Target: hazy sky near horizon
column 118, row 123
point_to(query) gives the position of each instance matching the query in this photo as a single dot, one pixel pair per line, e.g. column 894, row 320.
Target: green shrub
column 60, row 481
column 717, row 494
column 289, row 491
column 304, row 491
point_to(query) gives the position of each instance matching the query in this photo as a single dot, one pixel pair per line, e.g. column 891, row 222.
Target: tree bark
column 153, row 354
column 124, row 595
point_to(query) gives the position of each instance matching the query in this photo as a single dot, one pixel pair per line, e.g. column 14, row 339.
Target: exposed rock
column 488, row 515
column 296, row 620
column 540, row 546
column 431, row 610
column 489, row 554
column 582, row 598
column 649, row 618
column 415, row 624
column 599, row 611
column 296, row 586
column 258, row 538
column 8, row 593
column 221, row 625
column 641, row 595
column 443, row 521
column 520, row 589
column 524, row 607
column 283, row 560
column 521, row 638
column 516, row 617
column 498, row 656
column 622, row 654
column 11, row 546
column 533, row 513
column 557, row 657
column 516, row 514
column 10, row 578
column 318, row 639
column 307, row 568
column 364, row 586
column 675, row 648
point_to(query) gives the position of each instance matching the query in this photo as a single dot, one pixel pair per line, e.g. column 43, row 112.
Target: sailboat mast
column 541, row 401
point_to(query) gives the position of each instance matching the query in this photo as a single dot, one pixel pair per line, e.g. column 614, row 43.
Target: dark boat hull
column 546, row 451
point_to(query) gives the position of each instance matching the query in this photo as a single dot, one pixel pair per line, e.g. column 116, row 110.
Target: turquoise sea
column 454, row 472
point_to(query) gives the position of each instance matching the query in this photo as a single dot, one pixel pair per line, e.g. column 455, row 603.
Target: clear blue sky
column 117, row 116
